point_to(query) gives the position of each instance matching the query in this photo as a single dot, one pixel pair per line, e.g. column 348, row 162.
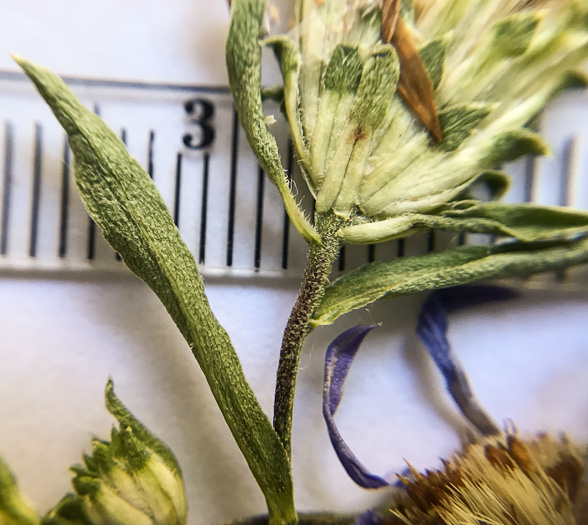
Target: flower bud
column 134, row 478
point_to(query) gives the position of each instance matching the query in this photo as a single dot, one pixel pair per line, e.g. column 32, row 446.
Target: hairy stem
column 318, row 267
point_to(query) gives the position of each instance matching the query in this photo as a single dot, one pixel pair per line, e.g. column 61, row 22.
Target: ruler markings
column 150, row 169
column 124, row 84
column 371, row 253
column 259, row 218
column 36, row 189
column 286, row 220
column 64, row 202
column 7, row 189
column 203, row 210
column 177, row 190
column 261, row 214
column 123, row 138
column 91, row 246
column 341, row 262
column 529, row 184
column 430, row 241
column 232, row 190
column 570, row 171
column 568, row 185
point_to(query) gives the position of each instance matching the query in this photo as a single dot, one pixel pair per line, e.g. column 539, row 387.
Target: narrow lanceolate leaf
column 124, row 202
column 243, row 55
column 432, row 330
column 415, row 85
column 441, row 270
column 525, row 222
column 338, row 359
column 14, row 508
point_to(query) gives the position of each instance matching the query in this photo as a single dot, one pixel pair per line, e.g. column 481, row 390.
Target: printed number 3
column 200, row 112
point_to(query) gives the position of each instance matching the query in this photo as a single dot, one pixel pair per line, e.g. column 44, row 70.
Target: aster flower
column 500, row 478
column 397, row 109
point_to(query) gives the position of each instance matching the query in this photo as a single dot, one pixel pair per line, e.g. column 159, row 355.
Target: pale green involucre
column 367, row 157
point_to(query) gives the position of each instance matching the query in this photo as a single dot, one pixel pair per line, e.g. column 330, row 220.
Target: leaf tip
column 17, row 58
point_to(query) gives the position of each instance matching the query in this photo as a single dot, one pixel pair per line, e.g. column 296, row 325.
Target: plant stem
column 308, row 518
column 318, row 267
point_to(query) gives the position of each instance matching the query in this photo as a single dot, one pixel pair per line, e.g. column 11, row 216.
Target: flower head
column 134, row 478
column 398, row 108
column 501, row 479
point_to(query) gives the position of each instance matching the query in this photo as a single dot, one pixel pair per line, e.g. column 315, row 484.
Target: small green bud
column 133, row 479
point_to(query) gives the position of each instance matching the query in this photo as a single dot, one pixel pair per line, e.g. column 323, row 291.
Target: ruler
column 189, row 141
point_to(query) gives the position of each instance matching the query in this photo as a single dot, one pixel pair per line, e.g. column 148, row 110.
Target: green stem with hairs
column 318, row 268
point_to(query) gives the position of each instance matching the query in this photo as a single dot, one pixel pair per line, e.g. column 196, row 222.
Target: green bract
column 134, row 478
column 364, row 150
column 14, row 507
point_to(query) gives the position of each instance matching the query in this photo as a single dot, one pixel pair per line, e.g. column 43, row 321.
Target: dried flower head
column 398, row 108
column 499, row 480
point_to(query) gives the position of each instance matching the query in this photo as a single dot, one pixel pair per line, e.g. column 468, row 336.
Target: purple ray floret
column 432, row 330
column 338, row 359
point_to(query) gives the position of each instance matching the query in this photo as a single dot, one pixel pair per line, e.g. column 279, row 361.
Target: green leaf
column 526, row 222
column 441, row 270
column 125, row 203
column 289, row 58
column 243, row 54
column 14, row 508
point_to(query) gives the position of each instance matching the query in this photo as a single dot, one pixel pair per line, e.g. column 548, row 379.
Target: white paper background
column 63, row 336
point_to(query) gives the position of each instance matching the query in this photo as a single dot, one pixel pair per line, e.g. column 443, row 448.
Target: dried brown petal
column 415, row 85
column 390, row 12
